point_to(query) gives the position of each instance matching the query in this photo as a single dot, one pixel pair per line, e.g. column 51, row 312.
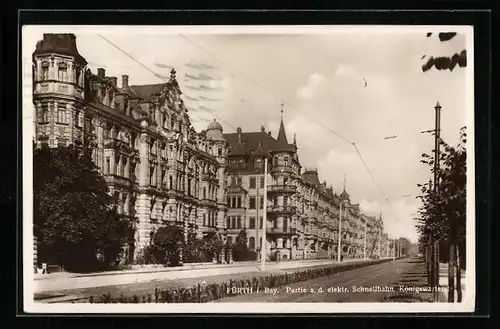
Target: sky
column 361, row 84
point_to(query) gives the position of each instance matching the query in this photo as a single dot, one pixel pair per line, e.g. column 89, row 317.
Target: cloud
column 201, row 76
column 199, row 66
column 345, row 70
column 311, row 87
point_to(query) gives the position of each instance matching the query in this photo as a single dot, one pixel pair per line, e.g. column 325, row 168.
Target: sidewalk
column 443, row 282
column 60, row 283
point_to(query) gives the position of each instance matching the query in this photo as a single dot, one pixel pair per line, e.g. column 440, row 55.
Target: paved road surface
column 70, row 284
column 405, row 272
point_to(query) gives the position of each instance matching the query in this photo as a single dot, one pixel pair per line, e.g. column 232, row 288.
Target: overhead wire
column 293, row 108
column 157, row 75
column 365, row 165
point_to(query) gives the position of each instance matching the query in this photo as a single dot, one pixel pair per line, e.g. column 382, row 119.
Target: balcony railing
column 281, row 230
column 282, row 209
column 281, row 169
column 277, row 188
column 208, row 229
column 117, row 180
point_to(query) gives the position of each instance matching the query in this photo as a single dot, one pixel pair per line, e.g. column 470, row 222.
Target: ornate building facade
column 156, row 165
column 302, row 212
column 159, row 169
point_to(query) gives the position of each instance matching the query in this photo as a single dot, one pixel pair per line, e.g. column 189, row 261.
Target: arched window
column 285, row 161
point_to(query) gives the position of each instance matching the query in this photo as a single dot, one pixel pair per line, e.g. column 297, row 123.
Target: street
column 390, row 278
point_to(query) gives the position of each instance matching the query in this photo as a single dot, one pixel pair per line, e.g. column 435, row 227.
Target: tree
column 443, row 62
column 443, row 211
column 167, row 244
column 73, row 218
column 240, row 247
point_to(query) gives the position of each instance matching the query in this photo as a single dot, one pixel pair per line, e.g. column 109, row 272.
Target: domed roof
column 344, row 195
column 214, row 126
column 214, row 131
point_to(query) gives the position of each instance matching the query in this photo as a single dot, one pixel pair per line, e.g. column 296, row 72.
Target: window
column 261, row 222
column 45, row 71
column 108, row 166
column 170, row 182
column 220, row 152
column 228, row 222
column 172, row 124
column 251, row 243
column 285, row 201
column 204, row 219
column 233, row 222
column 261, row 202
column 44, row 114
column 252, row 182
column 62, row 74
column 285, row 161
column 61, row 114
column 77, row 118
column 238, row 204
column 238, row 222
column 262, row 182
column 251, row 223
column 252, row 202
column 204, row 192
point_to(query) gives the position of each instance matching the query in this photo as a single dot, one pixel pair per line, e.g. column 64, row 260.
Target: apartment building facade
column 156, row 165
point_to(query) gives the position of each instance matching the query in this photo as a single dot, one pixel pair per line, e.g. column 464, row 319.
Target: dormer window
column 45, row 71
column 285, row 160
column 62, row 74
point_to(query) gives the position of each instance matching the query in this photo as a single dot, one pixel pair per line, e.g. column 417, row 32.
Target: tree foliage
column 445, row 62
column 74, row 220
column 444, row 207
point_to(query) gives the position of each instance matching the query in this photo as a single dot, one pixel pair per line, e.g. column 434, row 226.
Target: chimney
column 269, row 132
column 124, row 81
column 263, row 129
column 101, row 73
column 114, row 81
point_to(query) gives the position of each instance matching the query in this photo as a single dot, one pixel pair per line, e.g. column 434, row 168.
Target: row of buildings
column 161, row 170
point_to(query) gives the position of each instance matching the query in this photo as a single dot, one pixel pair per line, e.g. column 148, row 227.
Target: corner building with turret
column 303, row 213
column 156, row 165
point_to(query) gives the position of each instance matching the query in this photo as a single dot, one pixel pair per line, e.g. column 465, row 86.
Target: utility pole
column 435, row 243
column 339, row 247
column 394, row 249
column 264, row 220
column 364, row 248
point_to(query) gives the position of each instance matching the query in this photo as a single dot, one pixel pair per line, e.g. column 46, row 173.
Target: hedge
column 203, row 293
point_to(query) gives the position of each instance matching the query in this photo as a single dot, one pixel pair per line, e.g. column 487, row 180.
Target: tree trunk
column 459, row 274
column 428, row 261
column 436, row 270
column 451, row 267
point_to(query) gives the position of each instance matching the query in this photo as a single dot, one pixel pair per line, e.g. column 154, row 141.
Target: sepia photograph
column 248, row 169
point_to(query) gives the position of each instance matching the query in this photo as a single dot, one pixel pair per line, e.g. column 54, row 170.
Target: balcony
column 117, row 180
column 281, row 209
column 281, row 230
column 208, row 229
column 281, row 169
column 281, row 188
column 208, row 203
